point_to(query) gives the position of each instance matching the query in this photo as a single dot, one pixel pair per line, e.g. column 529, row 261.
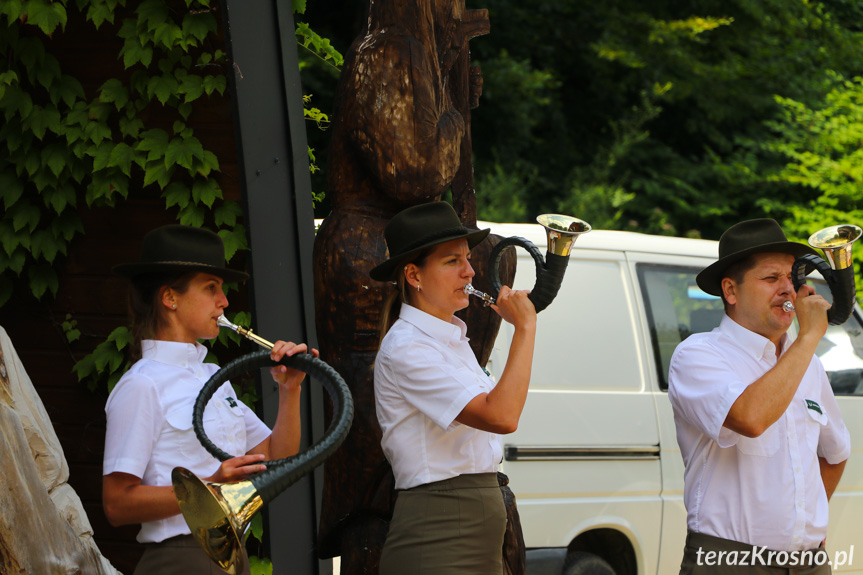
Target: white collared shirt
column 765, row 491
column 149, row 430
column 425, row 374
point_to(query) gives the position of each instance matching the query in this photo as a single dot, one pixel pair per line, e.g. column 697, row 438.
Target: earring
column 418, row 287
column 173, row 306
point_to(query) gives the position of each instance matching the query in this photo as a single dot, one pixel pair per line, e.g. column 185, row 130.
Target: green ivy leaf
column 153, row 141
column 131, row 127
column 16, row 101
column 192, row 215
column 42, row 119
column 199, row 26
column 167, row 34
column 214, row 84
column 157, row 173
column 12, row 189
column 44, row 180
column 17, row 260
column 113, row 91
column 133, row 53
column 96, row 132
column 122, row 337
column 226, row 214
column 185, row 109
column 121, row 157
column 25, row 216
column 192, row 86
column 67, row 89
column 59, row 197
column 12, row 238
column 102, row 155
column 177, row 194
column 46, row 15
column 183, row 151
column 14, row 10
column 259, row 566
column 42, row 279
column 85, row 367
column 211, row 162
column 48, row 72
column 45, row 246
column 206, row 191
column 55, row 157
column 234, row 240
column 69, row 327
column 99, row 13
column 162, row 87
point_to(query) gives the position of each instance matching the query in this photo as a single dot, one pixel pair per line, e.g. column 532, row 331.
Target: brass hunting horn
column 562, row 231
column 218, row 514
column 836, row 242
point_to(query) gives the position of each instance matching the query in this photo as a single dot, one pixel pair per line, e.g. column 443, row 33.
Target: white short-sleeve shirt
column 425, row 374
column 765, row 491
column 149, row 428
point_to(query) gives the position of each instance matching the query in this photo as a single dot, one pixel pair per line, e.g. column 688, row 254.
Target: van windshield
column 677, row 308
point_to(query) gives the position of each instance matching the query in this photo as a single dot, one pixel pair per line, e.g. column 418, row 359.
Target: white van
column 594, row 464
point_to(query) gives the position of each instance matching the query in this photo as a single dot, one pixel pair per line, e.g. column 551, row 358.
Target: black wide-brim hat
column 417, row 228
column 176, row 248
column 743, row 240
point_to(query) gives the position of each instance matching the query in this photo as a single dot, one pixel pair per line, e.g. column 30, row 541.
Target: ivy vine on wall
column 61, row 151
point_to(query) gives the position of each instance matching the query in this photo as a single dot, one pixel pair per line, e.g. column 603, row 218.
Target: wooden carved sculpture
column 399, row 138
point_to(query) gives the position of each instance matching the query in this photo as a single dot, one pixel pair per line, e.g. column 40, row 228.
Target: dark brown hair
column 736, row 271
column 145, row 312
column 393, row 302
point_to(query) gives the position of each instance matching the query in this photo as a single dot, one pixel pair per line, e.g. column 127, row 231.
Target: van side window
column 676, row 308
column 841, row 350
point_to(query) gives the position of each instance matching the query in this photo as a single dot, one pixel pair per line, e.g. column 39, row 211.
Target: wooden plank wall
column 92, row 294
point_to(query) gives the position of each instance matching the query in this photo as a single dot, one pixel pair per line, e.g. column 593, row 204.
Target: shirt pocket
column 765, row 445
column 224, row 426
column 180, row 434
column 814, row 424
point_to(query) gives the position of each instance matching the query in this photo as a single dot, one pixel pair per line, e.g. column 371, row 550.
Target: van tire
column 581, row 563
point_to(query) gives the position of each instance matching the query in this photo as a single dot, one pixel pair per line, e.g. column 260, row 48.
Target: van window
column 841, row 350
column 676, row 308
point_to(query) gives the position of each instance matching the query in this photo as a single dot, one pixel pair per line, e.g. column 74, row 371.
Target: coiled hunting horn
column 836, row 242
column 561, row 231
column 218, row 514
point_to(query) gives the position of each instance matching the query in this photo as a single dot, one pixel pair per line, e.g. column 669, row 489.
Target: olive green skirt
column 454, row 526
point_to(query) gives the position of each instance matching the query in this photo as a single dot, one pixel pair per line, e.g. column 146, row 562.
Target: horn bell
column 218, row 515
column 836, row 242
column 562, row 231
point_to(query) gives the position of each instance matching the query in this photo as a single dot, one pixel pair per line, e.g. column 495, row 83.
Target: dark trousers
column 450, row 527
column 705, row 554
column 181, row 556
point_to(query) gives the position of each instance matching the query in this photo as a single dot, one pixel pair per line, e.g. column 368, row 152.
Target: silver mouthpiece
column 247, row 333
column 486, row 299
column 788, row 306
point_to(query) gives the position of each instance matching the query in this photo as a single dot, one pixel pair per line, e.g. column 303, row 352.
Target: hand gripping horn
column 562, row 231
column 836, row 243
column 218, row 514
